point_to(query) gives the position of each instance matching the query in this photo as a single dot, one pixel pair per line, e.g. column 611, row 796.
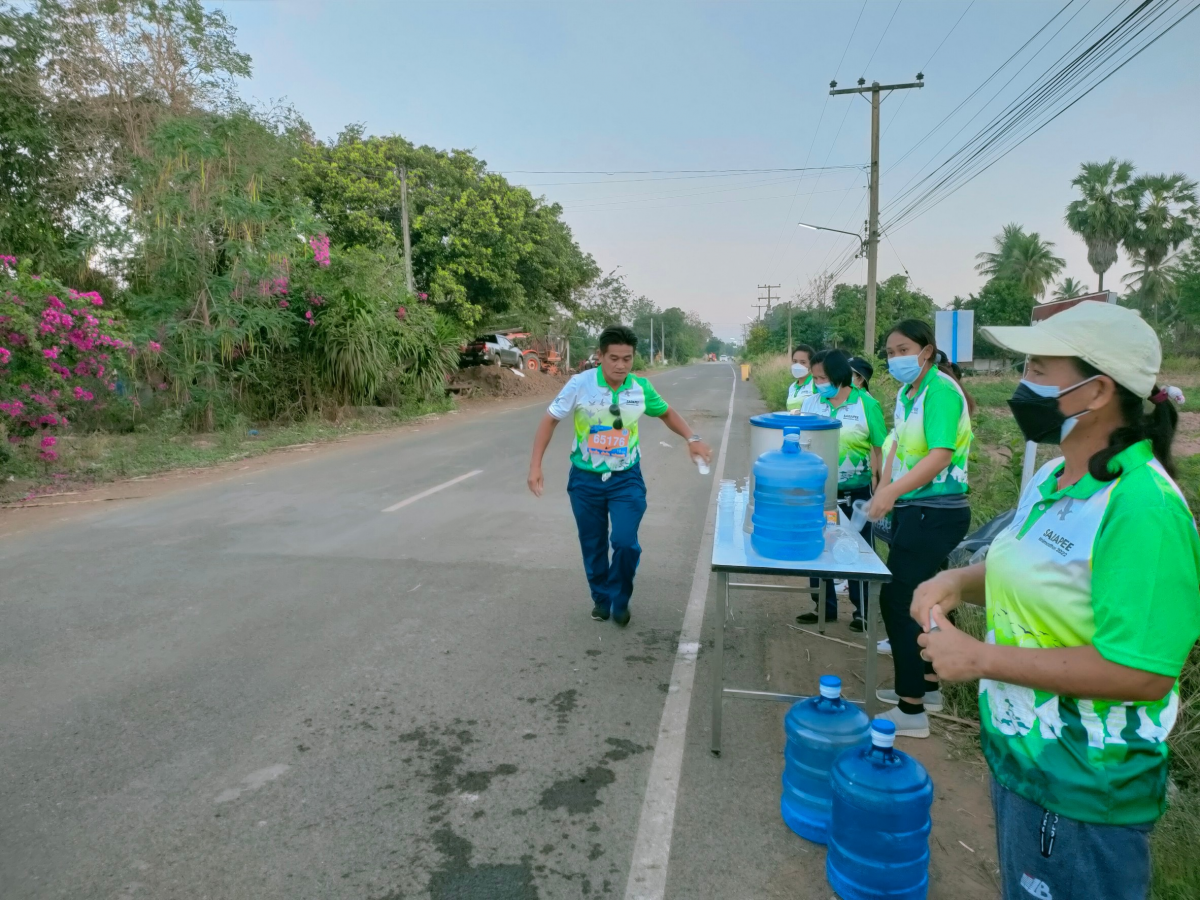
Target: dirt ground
column 963, row 843
column 501, row 381
column 1187, row 435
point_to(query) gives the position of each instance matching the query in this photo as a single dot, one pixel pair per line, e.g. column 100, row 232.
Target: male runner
column 606, row 476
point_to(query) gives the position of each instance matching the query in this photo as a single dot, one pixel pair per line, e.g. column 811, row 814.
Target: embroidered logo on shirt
column 1036, row 887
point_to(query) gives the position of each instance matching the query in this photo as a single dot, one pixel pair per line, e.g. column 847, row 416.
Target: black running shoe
column 621, row 618
column 600, row 613
column 857, row 624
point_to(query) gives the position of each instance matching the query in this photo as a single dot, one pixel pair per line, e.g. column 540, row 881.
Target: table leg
column 720, row 605
column 821, row 589
column 870, row 592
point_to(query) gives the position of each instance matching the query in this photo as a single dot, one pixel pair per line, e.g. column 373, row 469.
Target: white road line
column 652, row 847
column 433, row 490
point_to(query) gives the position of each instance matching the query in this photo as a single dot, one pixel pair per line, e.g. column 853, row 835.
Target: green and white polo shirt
column 936, row 416
column 597, row 446
column 862, row 428
column 799, row 391
column 1115, row 565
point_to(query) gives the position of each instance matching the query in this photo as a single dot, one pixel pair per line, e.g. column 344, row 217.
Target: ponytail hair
column 1156, row 426
column 919, row 332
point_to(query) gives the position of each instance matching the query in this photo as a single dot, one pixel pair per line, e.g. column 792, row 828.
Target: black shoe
column 600, row 613
column 621, row 618
column 857, row 624
column 812, row 619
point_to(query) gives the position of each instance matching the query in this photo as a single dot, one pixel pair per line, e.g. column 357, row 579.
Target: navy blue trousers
column 621, row 499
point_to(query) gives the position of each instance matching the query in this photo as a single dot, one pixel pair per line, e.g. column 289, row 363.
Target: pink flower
column 283, row 304
column 7, row 262
column 50, row 353
column 320, row 249
column 401, row 312
column 422, row 296
column 308, row 314
column 48, row 455
column 48, row 441
column 155, row 347
column 5, row 356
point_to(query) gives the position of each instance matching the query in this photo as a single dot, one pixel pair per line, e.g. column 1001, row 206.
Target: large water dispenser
column 879, row 822
column 818, row 731
column 789, row 502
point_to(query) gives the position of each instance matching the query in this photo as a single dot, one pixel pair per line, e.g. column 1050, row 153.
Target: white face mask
column 799, row 370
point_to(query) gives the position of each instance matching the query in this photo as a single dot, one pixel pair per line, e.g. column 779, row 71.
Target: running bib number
column 609, row 443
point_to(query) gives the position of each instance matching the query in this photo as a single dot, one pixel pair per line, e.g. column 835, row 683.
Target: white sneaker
column 841, row 586
column 884, row 647
column 933, row 699
column 913, row 726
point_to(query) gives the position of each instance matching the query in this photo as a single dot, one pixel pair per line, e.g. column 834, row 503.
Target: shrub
column 64, row 357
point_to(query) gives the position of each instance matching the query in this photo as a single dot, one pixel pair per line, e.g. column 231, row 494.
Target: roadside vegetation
column 179, row 268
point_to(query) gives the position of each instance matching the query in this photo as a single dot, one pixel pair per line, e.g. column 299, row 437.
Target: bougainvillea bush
column 63, row 356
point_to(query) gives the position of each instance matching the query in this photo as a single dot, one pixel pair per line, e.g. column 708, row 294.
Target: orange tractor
column 543, row 354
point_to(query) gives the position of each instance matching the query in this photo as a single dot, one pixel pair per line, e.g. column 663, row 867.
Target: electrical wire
column 881, row 37
column 787, row 218
column 925, row 67
column 1043, row 102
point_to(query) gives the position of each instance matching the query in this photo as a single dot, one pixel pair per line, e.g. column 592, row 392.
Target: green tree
column 482, row 248
column 1068, row 288
column 1166, row 219
column 1022, row 257
column 1000, row 302
column 1105, row 213
column 895, row 299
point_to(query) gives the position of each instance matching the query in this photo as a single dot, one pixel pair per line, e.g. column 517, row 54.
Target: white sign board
column 954, row 331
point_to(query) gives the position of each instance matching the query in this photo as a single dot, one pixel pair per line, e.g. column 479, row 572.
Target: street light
column 861, row 243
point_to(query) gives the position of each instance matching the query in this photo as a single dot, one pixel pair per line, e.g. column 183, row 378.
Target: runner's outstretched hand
column 700, row 450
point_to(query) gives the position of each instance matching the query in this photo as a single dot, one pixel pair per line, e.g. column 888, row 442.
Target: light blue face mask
column 905, row 369
column 828, row 391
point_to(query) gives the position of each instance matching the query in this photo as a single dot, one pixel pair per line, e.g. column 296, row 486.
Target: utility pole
column 652, row 340
column 760, row 307
column 402, row 174
column 874, row 89
column 768, row 288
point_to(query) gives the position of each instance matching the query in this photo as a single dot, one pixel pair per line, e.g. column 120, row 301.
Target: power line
column 788, row 231
column 881, row 37
column 1043, row 102
column 925, row 68
column 642, row 171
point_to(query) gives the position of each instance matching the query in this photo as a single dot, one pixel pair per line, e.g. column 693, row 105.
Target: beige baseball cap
column 1114, row 339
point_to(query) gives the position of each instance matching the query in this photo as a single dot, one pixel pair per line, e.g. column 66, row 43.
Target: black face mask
column 1038, row 415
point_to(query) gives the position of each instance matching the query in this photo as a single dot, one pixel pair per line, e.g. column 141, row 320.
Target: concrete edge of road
column 652, row 845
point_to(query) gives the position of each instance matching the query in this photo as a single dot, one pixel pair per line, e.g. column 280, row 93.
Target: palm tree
column 1167, row 214
column 1022, row 257
column 1106, row 213
column 1068, row 288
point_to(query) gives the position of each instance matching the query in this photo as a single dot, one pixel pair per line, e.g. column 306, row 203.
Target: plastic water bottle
column 789, row 502
column 818, row 730
column 879, row 822
column 701, row 465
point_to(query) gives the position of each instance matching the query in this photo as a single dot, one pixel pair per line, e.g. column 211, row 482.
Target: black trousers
column 846, row 501
column 922, row 538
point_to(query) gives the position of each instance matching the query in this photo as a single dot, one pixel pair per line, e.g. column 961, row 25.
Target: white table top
column 732, row 552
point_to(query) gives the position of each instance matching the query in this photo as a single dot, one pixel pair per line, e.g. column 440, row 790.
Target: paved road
column 275, row 689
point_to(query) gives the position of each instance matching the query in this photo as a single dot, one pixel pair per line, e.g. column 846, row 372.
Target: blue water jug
column 818, row 730
column 879, row 823
column 789, row 502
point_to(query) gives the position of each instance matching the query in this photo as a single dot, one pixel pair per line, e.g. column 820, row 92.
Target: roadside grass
column 101, row 456
column 995, row 478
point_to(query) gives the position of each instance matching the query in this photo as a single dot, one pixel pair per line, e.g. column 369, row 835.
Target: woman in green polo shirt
column 1093, row 604
column 859, row 458
column 801, row 387
column 927, row 496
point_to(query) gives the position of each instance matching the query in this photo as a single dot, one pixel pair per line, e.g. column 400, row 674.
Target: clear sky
column 554, row 87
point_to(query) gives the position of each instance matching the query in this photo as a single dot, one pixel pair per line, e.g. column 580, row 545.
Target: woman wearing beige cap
column 1093, row 603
